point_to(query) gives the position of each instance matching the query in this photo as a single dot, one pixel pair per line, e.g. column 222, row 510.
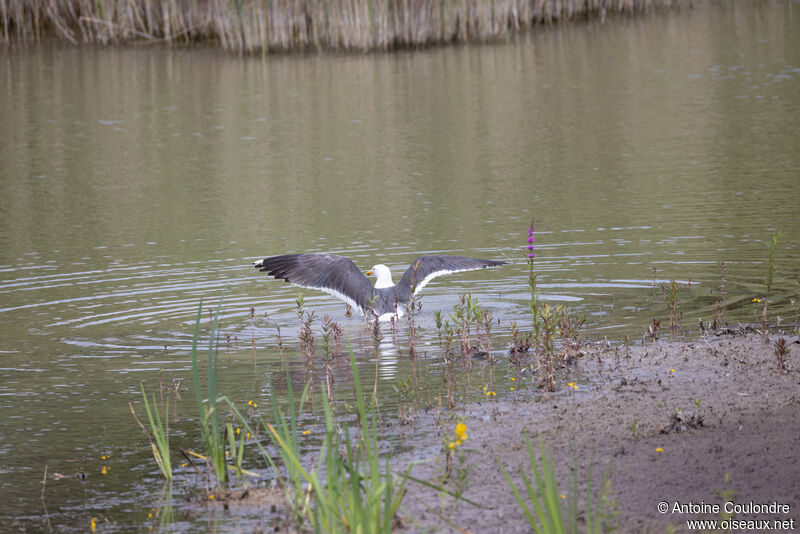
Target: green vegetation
column 545, row 513
column 770, row 273
column 353, row 493
column 264, row 26
column 287, row 438
column 158, row 436
column 210, row 427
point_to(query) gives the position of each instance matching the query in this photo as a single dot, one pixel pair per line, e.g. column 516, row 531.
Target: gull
column 340, row 277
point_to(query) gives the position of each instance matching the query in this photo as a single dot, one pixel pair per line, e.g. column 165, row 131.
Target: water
column 137, row 181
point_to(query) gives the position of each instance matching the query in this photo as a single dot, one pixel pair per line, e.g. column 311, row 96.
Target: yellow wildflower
column 562, row 496
column 512, row 389
column 573, row 385
column 104, row 470
column 756, row 300
column 306, row 432
column 659, row 449
column 461, row 431
column 452, row 445
column 94, row 524
column 211, row 497
column 513, row 379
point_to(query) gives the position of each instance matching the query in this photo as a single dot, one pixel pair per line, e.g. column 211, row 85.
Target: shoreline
column 679, row 422
column 691, row 423
column 264, row 27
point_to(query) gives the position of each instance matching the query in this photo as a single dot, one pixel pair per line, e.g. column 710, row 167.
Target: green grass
column 160, row 434
column 287, row 430
column 356, row 492
column 210, row 428
column 550, row 512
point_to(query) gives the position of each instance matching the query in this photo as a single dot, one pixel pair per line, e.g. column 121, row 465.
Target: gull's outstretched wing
column 426, row 268
column 333, row 274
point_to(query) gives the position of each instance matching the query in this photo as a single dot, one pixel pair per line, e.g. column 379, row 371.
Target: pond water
column 136, row 181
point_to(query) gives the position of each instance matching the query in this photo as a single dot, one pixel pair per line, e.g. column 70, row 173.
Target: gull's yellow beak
column 369, row 273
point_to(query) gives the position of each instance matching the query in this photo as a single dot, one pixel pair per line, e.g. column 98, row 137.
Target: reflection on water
column 137, row 181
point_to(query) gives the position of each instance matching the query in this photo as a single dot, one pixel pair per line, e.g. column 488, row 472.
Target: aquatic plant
column 437, row 318
column 781, row 351
column 548, row 314
column 412, row 307
column 487, row 326
column 355, row 495
column 158, row 436
column 795, row 302
column 375, row 330
column 569, row 330
column 547, row 321
column 328, row 327
column 770, row 273
column 447, row 357
column 252, row 316
column 210, row 427
column 652, row 331
column 288, row 446
column 544, row 513
column 405, row 405
column 671, row 298
column 331, row 344
column 531, row 246
column 519, row 347
column 533, row 303
column 307, row 339
column 466, row 312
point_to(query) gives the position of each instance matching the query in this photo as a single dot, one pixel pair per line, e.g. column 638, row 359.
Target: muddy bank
column 708, row 421
column 739, row 421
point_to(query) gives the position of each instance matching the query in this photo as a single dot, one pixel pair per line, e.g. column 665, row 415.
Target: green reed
column 159, row 442
column 210, row 427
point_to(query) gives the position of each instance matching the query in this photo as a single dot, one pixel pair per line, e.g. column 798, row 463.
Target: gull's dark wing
column 333, row 274
column 426, row 268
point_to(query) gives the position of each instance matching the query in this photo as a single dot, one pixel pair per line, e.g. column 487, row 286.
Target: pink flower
column 531, row 241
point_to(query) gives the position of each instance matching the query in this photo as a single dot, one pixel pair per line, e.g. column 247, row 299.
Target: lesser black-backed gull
column 340, row 277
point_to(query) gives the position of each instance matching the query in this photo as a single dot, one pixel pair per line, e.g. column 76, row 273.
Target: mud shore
column 706, row 421
column 691, row 424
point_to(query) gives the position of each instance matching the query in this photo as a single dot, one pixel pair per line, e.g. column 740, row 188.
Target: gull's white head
column 383, row 276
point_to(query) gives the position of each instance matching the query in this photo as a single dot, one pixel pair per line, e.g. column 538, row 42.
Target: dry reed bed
column 252, row 26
